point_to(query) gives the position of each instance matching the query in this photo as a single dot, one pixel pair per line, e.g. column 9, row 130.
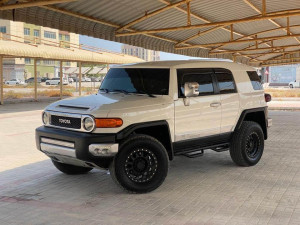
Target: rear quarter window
column 225, row 81
column 255, row 81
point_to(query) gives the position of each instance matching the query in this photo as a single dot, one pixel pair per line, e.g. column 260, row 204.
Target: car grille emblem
column 64, row 121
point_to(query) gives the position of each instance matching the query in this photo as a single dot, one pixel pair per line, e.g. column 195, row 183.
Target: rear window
column 225, row 81
column 255, row 81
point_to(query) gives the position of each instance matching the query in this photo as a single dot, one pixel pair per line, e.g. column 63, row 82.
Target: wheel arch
column 258, row 115
column 157, row 129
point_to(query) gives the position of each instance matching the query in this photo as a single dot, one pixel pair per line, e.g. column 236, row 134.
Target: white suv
column 294, row 84
column 56, row 81
column 145, row 114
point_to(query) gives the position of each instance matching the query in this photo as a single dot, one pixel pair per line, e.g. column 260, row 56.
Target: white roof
column 190, row 64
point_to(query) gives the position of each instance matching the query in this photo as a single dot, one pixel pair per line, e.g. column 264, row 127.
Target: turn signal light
column 108, row 123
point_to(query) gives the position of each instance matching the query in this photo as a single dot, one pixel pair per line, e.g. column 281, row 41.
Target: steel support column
column 35, row 79
column 1, row 81
column 79, row 78
column 61, row 79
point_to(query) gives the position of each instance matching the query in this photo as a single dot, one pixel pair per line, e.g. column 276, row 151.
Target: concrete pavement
column 205, row 190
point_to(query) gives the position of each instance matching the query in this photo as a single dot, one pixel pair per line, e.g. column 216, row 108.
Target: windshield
column 137, row 80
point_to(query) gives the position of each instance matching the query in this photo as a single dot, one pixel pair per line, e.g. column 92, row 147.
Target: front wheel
column 291, row 86
column 71, row 169
column 247, row 144
column 141, row 165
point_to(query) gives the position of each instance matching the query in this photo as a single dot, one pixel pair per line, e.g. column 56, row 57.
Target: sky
column 116, row 47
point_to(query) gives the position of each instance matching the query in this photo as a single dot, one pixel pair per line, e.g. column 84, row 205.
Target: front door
column 202, row 117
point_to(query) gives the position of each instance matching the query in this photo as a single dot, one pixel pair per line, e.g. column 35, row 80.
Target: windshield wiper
column 104, row 89
column 119, row 90
column 143, row 92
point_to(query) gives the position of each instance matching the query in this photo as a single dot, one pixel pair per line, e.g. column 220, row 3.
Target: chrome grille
column 68, row 121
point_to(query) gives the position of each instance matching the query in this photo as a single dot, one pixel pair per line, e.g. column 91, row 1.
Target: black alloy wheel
column 141, row 165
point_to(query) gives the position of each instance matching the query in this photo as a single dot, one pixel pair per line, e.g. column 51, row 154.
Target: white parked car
column 56, row 81
column 146, row 114
column 14, row 82
column 294, row 84
column 70, row 79
column 86, row 79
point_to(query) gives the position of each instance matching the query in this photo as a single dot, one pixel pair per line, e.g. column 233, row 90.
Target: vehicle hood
column 106, row 102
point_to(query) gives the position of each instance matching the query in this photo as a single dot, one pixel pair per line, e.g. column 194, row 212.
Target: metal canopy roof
column 22, row 50
column 254, row 32
column 52, row 50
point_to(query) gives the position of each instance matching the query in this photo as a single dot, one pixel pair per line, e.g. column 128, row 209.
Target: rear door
column 202, row 117
column 229, row 99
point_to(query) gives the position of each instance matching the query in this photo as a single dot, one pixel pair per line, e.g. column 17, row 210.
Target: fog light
column 88, row 124
column 45, row 118
column 103, row 149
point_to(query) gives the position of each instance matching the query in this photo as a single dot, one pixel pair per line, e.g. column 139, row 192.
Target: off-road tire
column 71, row 169
column 122, row 177
column 238, row 147
column 291, row 86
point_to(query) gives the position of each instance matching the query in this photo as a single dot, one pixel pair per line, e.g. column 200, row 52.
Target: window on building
column 3, row 29
column 67, row 37
column 26, row 31
column 60, row 37
column 68, row 64
column 49, row 34
column 225, row 81
column 36, row 33
column 27, row 60
column 49, row 62
column 255, row 81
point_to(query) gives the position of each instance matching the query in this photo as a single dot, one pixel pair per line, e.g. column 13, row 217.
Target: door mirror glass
column 191, row 89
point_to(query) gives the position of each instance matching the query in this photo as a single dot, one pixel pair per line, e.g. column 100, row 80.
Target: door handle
column 215, row 104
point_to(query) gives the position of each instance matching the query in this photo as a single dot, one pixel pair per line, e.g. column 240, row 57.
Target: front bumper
column 77, row 148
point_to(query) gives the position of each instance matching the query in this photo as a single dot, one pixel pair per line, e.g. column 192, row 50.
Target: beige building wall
column 16, row 30
column 17, row 67
column 145, row 54
column 43, row 29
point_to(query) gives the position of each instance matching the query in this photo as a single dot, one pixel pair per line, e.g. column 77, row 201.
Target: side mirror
column 191, row 89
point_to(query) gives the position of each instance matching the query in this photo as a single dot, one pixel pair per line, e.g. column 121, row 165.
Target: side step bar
column 200, row 151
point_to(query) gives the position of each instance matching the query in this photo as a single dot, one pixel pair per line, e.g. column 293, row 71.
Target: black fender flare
column 161, row 123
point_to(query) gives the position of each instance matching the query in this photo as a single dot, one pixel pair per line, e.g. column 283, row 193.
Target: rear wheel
column 47, row 83
column 247, row 145
column 71, row 169
column 141, row 165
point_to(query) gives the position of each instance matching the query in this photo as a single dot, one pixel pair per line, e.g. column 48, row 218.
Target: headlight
column 88, row 124
column 45, row 118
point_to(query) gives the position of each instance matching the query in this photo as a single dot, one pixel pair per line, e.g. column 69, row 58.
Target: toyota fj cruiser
column 145, row 114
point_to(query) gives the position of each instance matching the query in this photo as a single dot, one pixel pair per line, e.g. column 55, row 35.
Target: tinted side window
column 202, row 76
column 255, row 81
column 225, row 81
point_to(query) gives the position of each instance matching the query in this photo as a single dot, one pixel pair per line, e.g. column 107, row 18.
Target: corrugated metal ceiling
column 101, row 19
